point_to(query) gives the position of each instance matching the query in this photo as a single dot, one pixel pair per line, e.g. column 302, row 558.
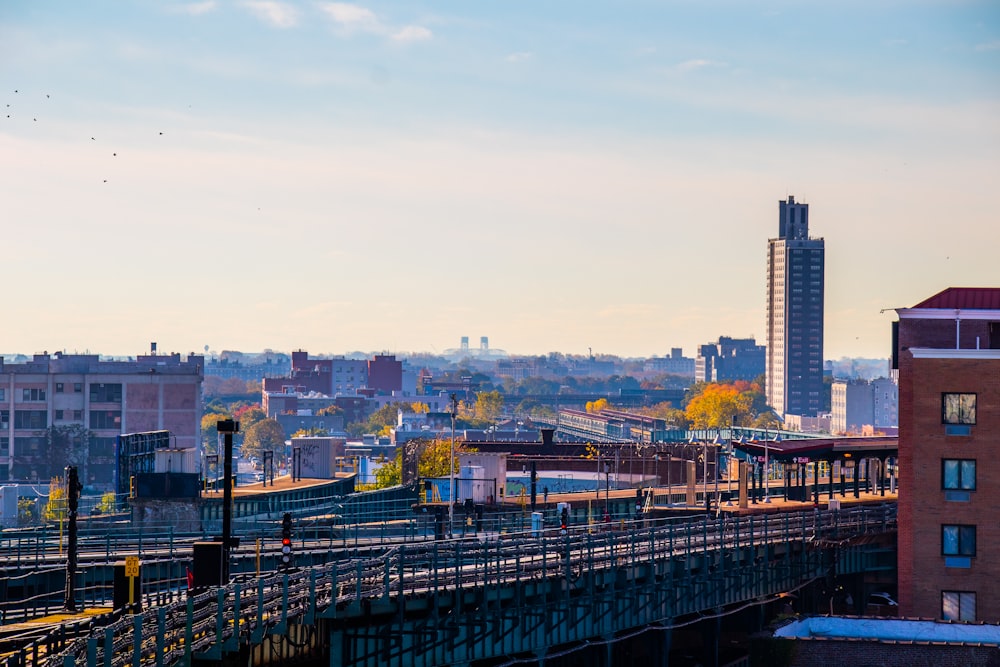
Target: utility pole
column 451, row 469
column 227, row 427
column 73, row 488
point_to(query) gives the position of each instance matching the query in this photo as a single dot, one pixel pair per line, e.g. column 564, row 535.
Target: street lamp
column 451, row 470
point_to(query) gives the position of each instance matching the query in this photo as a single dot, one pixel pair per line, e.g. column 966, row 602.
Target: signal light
column 564, row 517
column 286, row 541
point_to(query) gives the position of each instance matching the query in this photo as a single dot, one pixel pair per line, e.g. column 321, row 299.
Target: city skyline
column 337, row 177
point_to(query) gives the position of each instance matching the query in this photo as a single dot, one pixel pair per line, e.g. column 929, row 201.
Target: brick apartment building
column 60, row 409
column 948, row 353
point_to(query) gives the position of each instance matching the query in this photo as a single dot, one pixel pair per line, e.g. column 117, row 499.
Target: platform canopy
column 819, row 449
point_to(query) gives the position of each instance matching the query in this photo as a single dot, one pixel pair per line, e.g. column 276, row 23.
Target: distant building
column 248, row 367
column 67, row 409
column 804, row 424
column 730, row 359
column 675, row 364
column 859, row 403
column 947, row 349
column 340, row 376
column 323, row 376
column 385, row 374
column 795, row 276
column 516, row 369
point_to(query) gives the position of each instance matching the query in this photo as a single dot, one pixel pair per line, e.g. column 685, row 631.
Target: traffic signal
column 286, row 541
column 564, row 517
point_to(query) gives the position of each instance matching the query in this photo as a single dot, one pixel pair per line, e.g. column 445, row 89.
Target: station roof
column 818, row 449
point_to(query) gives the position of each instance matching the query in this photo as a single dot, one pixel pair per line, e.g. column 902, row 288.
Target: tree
column 716, row 406
column 248, row 415
column 55, row 508
column 266, row 434
column 27, row 511
column 209, row 430
column 330, row 410
column 420, row 408
column 431, row 463
column 107, row 504
column 67, row 445
column 390, row 473
column 596, row 406
column 489, row 405
column 306, row 432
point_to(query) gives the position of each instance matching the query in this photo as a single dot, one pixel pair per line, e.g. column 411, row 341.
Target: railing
column 221, row 619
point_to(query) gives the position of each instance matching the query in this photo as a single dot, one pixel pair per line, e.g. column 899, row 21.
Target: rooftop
column 973, row 298
column 894, row 630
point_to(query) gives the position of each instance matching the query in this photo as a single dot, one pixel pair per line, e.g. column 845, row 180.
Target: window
column 106, row 393
column 958, row 540
column 958, row 605
column 59, row 387
column 4, row 419
column 30, row 419
column 33, row 395
column 33, row 446
column 59, row 415
column 77, row 387
column 958, row 474
column 105, row 419
column 958, row 408
column 3, row 394
column 78, row 415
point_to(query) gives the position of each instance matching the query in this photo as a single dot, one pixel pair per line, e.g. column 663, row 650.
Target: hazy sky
column 553, row 175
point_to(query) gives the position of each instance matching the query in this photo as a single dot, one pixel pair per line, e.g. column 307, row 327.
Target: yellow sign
column 131, row 566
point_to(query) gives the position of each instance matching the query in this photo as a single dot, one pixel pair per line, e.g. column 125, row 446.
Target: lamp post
column 451, row 469
column 767, row 467
column 715, row 464
column 607, row 491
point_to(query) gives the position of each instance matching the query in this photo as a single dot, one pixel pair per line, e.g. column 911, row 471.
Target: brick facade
column 947, row 351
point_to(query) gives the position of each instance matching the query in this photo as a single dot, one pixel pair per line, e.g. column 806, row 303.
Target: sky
column 557, row 176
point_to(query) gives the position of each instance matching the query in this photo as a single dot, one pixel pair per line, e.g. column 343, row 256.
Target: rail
column 243, row 612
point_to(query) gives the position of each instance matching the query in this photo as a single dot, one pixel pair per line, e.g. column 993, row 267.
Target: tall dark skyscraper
column 795, row 268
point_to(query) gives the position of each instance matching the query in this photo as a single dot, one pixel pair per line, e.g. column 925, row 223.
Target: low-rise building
column 58, row 410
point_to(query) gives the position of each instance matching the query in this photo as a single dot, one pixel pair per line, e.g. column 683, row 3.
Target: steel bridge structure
column 487, row 597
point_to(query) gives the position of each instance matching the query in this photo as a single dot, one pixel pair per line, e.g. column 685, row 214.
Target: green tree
column 432, row 463
column 68, row 445
column 248, row 416
column 390, row 473
column 209, row 430
column 266, row 434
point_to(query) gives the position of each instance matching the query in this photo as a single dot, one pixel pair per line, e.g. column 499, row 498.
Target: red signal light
column 286, row 541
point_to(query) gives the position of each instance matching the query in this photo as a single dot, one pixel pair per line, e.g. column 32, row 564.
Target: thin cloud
column 277, row 14
column 989, row 46
column 195, row 8
column 896, row 42
column 353, row 17
column 519, row 57
column 694, row 64
column 350, row 18
column 412, row 33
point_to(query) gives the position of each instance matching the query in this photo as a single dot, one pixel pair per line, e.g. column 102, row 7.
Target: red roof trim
column 971, row 298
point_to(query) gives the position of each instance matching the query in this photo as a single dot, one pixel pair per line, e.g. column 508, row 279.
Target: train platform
column 280, row 485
